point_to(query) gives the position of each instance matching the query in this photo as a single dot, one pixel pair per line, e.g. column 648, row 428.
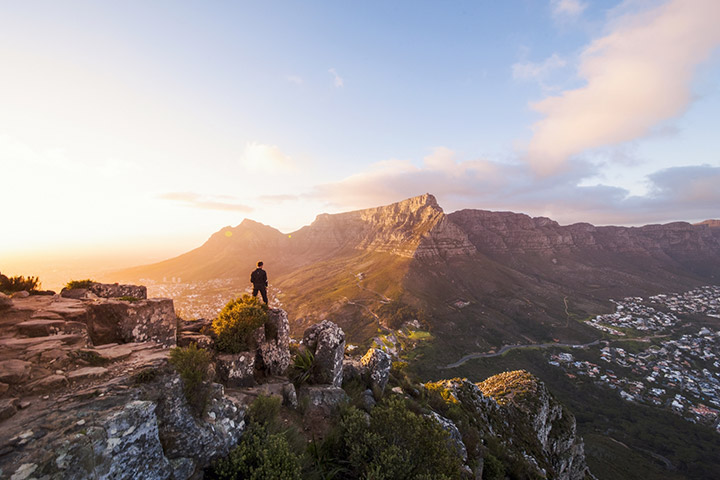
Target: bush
column 236, row 323
column 259, row 456
column 73, row 284
column 264, row 411
column 493, row 469
column 395, row 443
column 192, row 364
column 18, row 284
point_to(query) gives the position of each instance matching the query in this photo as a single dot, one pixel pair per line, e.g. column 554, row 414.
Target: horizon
column 131, row 132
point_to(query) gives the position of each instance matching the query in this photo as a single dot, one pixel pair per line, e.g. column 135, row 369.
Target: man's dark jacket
column 259, row 278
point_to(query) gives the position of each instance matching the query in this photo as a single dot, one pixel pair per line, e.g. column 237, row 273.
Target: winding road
column 507, row 348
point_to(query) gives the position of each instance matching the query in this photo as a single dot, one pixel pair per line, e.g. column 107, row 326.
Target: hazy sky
column 140, row 128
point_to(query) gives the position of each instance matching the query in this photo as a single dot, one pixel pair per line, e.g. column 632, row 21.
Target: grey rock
column 273, row 341
column 204, row 440
column 74, row 293
column 322, row 397
column 368, row 400
column 183, row 468
column 290, row 396
column 378, row 365
column 353, row 369
column 21, row 294
column 114, row 290
column 236, row 369
column 327, row 342
column 455, row 436
column 116, row 321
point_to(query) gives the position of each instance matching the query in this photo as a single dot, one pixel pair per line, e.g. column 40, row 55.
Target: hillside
column 483, row 278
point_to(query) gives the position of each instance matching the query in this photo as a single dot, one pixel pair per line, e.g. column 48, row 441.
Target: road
column 507, row 348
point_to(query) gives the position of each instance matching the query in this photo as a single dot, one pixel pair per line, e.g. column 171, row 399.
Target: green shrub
column 236, row 323
column 192, row 364
column 73, row 284
column 302, row 366
column 18, row 284
column 259, row 456
column 493, row 469
column 264, row 411
column 395, row 443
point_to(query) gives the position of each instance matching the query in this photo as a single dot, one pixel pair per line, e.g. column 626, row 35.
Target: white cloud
column 258, row 157
column 564, row 10
column 537, row 71
column 637, row 76
column 296, row 79
column 337, row 79
column 205, row 202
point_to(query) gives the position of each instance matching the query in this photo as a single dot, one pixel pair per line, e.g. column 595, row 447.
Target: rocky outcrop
column 5, row 301
column 236, row 369
column 106, row 290
column 327, row 342
column 117, row 321
column 273, row 343
column 377, row 364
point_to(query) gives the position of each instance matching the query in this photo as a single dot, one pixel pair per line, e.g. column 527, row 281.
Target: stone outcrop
column 236, row 369
column 106, row 290
column 377, row 363
column 273, row 343
column 322, row 397
column 5, row 301
column 327, row 342
column 117, row 321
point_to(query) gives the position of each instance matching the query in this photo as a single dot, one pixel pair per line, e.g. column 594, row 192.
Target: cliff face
column 506, row 232
column 522, row 415
column 416, row 227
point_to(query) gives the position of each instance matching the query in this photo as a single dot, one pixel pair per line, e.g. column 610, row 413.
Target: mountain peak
column 424, row 200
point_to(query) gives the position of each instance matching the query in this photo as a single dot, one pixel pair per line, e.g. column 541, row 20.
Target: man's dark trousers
column 263, row 291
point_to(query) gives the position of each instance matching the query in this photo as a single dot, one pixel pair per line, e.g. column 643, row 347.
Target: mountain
column 482, row 278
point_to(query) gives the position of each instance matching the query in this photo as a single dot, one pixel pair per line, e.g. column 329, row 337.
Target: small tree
column 236, row 323
column 192, row 364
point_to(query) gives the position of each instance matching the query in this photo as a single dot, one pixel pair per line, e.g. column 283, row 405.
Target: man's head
column 260, row 264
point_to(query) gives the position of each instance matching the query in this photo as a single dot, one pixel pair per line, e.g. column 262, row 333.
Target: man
column 260, row 282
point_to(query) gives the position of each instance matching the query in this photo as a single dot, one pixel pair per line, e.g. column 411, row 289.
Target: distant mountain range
column 482, row 278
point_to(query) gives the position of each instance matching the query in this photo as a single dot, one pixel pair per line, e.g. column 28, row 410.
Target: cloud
column 337, row 79
column 637, row 76
column 296, row 79
column 259, row 157
column 564, row 10
column 680, row 193
column 204, row 202
column 537, row 71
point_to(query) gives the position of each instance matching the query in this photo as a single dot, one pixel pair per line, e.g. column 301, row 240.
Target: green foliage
column 493, row 469
column 73, row 284
column 259, row 456
column 91, row 357
column 146, row 375
column 397, row 313
column 236, row 323
column 264, row 411
column 302, row 366
column 11, row 285
column 192, row 364
column 394, row 443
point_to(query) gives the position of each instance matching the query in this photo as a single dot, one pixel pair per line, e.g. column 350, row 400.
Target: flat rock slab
column 14, row 371
column 53, row 382
column 87, row 373
column 40, row 327
column 7, row 408
column 113, row 354
column 46, row 315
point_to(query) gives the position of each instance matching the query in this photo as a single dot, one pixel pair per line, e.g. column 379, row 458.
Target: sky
column 131, row 131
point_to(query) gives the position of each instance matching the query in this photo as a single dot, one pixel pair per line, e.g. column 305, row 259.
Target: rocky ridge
column 71, row 408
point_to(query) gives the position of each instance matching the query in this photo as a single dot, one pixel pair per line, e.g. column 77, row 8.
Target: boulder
column 40, row 327
column 202, row 440
column 273, row 343
column 236, row 369
column 116, row 321
column 322, row 397
column 7, row 408
column 74, row 293
column 202, row 341
column 378, row 365
column 327, row 342
column 114, row 290
column 5, row 301
column 14, row 371
column 21, row 294
column 48, row 384
column 290, row 396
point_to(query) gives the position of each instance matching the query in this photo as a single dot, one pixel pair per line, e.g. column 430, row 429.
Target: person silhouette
column 260, row 282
